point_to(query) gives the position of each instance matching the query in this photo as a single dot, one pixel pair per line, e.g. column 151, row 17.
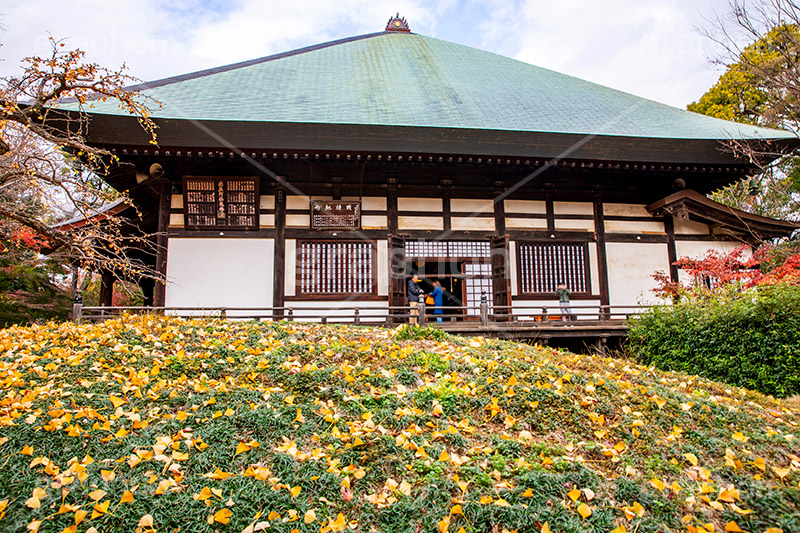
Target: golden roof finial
column 397, row 23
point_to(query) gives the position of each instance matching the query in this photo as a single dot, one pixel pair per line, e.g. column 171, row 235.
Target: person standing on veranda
column 412, row 297
column 562, row 293
column 438, row 300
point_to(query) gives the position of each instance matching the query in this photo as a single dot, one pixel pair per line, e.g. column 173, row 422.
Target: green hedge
column 750, row 339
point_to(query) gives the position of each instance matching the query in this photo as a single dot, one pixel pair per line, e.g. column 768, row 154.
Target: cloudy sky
column 650, row 48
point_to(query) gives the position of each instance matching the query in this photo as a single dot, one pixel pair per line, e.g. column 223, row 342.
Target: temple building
column 327, row 175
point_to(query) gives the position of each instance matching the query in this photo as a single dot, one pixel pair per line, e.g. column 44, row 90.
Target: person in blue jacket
column 438, row 300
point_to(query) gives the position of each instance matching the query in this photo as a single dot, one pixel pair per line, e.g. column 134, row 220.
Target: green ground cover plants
column 161, row 424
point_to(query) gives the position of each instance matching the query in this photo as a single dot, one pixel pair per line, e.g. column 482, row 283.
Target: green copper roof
column 404, row 79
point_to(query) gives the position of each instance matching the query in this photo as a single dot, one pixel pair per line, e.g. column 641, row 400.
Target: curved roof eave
column 117, row 131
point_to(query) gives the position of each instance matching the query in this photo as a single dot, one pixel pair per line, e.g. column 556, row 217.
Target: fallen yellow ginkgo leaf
column 34, row 502
column 739, row 436
column 781, row 472
column 223, row 516
column 584, row 510
column 733, row 527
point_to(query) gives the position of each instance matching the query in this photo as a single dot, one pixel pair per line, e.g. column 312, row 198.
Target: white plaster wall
column 383, row 267
column 266, row 221
column 341, row 311
column 420, row 204
column 230, row 272
column 267, row 201
column 626, row 210
column 573, row 208
column 630, row 270
column 436, row 223
column 298, row 221
column 472, row 223
column 175, row 219
column 698, row 249
column 524, row 206
column 585, row 225
column 512, row 270
column 688, row 227
column 634, row 226
column 461, row 205
column 372, row 203
column 176, row 202
column 298, row 202
column 374, row 222
column 290, row 278
column 594, row 269
column 526, row 223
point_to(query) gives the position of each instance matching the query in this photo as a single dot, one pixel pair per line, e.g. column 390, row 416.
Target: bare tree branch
column 49, row 172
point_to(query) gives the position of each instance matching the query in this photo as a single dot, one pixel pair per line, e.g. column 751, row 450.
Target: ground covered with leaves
column 159, row 424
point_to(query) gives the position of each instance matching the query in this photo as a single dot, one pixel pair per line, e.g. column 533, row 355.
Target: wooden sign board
column 334, row 214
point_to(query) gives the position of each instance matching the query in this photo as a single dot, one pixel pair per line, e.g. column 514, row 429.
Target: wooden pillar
column 397, row 250
column 391, row 206
column 106, row 296
column 336, row 190
column 499, row 212
column 164, row 188
column 397, row 277
column 602, row 257
column 550, row 212
column 446, row 211
column 279, row 289
column 672, row 251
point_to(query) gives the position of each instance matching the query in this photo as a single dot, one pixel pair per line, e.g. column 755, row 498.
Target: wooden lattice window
column 541, row 266
column 230, row 203
column 438, row 249
column 336, row 267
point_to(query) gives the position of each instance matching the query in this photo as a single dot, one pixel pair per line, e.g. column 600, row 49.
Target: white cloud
column 650, row 49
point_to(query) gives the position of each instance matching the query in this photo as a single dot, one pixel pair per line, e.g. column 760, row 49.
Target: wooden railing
column 483, row 314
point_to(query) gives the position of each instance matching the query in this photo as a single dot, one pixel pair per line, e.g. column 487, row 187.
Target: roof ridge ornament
column 398, row 24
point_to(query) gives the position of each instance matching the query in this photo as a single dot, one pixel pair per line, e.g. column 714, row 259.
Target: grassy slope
column 203, row 426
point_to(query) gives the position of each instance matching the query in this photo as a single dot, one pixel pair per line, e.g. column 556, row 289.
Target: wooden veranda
column 594, row 326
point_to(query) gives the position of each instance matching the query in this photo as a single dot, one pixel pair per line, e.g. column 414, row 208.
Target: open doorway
column 448, row 273
column 464, row 268
column 464, row 282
